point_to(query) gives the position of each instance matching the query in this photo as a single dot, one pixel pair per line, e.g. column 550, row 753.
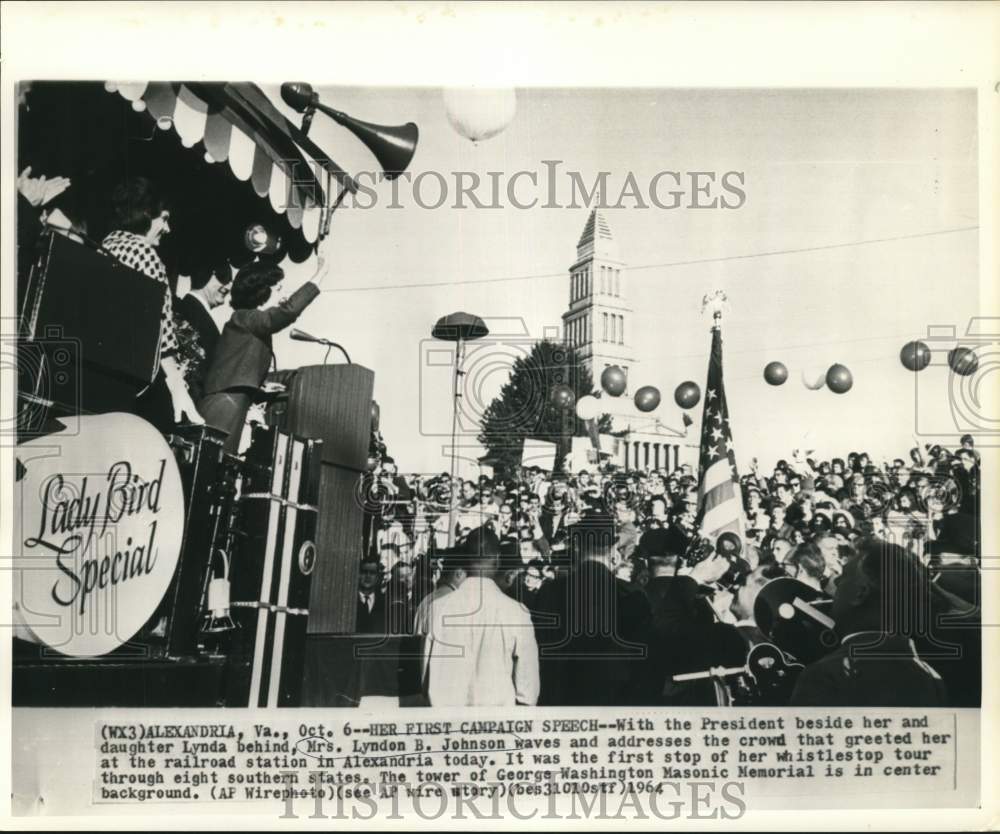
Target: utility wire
column 664, row 265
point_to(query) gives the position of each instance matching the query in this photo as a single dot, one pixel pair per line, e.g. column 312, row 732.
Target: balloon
column 775, row 373
column 963, row 361
column 647, row 398
column 818, row 376
column 915, row 356
column 479, row 114
column 587, row 407
column 562, row 396
column 613, row 381
column 687, row 395
column 839, row 379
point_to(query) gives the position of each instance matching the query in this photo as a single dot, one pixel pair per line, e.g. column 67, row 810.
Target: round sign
column 307, row 557
column 99, row 521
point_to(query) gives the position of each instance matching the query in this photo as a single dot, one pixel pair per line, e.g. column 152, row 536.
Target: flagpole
column 719, row 496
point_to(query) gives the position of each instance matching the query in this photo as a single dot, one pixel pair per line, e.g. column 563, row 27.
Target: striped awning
column 240, row 127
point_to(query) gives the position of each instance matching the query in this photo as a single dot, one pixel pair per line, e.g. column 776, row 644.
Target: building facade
column 598, row 324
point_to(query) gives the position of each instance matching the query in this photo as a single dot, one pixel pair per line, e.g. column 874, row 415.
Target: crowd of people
column 609, row 592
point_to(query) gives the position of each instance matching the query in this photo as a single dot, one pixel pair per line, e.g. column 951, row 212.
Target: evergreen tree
column 524, row 408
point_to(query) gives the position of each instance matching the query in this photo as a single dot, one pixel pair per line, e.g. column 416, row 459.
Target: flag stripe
column 718, row 473
column 721, row 517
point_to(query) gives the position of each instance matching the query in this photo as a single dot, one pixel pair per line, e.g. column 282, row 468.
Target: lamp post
column 459, row 328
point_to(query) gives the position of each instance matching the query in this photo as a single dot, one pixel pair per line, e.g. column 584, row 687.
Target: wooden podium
column 333, row 403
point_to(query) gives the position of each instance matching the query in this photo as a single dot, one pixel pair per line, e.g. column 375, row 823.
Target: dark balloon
column 775, row 373
column 839, row 379
column 563, row 397
column 915, row 356
column 376, row 416
column 963, row 361
column 647, row 398
column 613, row 381
column 687, row 395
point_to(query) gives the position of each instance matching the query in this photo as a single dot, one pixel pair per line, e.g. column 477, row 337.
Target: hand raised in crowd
column 40, row 190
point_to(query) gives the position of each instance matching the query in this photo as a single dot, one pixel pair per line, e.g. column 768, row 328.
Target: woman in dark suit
column 244, row 354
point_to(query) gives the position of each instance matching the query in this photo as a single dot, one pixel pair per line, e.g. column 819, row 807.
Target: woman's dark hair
column 794, row 514
column 906, row 492
column 252, row 285
column 205, row 271
column 134, row 205
column 772, row 570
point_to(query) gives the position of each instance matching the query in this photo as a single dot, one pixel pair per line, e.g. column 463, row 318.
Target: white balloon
column 813, row 378
column 479, row 114
column 587, row 408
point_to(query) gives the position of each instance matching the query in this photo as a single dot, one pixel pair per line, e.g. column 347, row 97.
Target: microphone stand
column 330, row 346
column 300, row 336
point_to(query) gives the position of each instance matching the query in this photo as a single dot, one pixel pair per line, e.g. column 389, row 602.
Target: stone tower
column 598, row 322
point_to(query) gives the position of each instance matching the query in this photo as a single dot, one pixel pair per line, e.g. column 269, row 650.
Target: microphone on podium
column 302, row 336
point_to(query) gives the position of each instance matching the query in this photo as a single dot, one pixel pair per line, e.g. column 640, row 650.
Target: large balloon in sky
column 562, row 396
column 647, row 398
column 915, row 356
column 775, row 373
column 687, row 394
column 839, row 379
column 963, row 361
column 479, row 114
column 587, row 408
column 613, row 381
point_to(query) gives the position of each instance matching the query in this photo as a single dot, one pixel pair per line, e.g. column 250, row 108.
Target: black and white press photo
column 383, row 441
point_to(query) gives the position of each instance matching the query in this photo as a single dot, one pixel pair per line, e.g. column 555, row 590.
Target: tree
column 524, row 408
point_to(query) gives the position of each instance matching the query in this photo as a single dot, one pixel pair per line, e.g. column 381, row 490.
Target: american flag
column 720, row 500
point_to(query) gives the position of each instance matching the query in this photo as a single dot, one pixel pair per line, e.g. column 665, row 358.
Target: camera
column 950, row 403
column 48, row 381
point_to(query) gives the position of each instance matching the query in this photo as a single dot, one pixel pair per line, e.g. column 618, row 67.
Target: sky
column 876, row 191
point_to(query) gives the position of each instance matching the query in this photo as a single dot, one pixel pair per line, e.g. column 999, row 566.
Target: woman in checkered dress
column 141, row 220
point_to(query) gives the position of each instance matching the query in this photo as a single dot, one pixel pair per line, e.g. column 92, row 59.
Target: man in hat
column 595, row 652
column 480, row 648
column 685, row 633
column 876, row 664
